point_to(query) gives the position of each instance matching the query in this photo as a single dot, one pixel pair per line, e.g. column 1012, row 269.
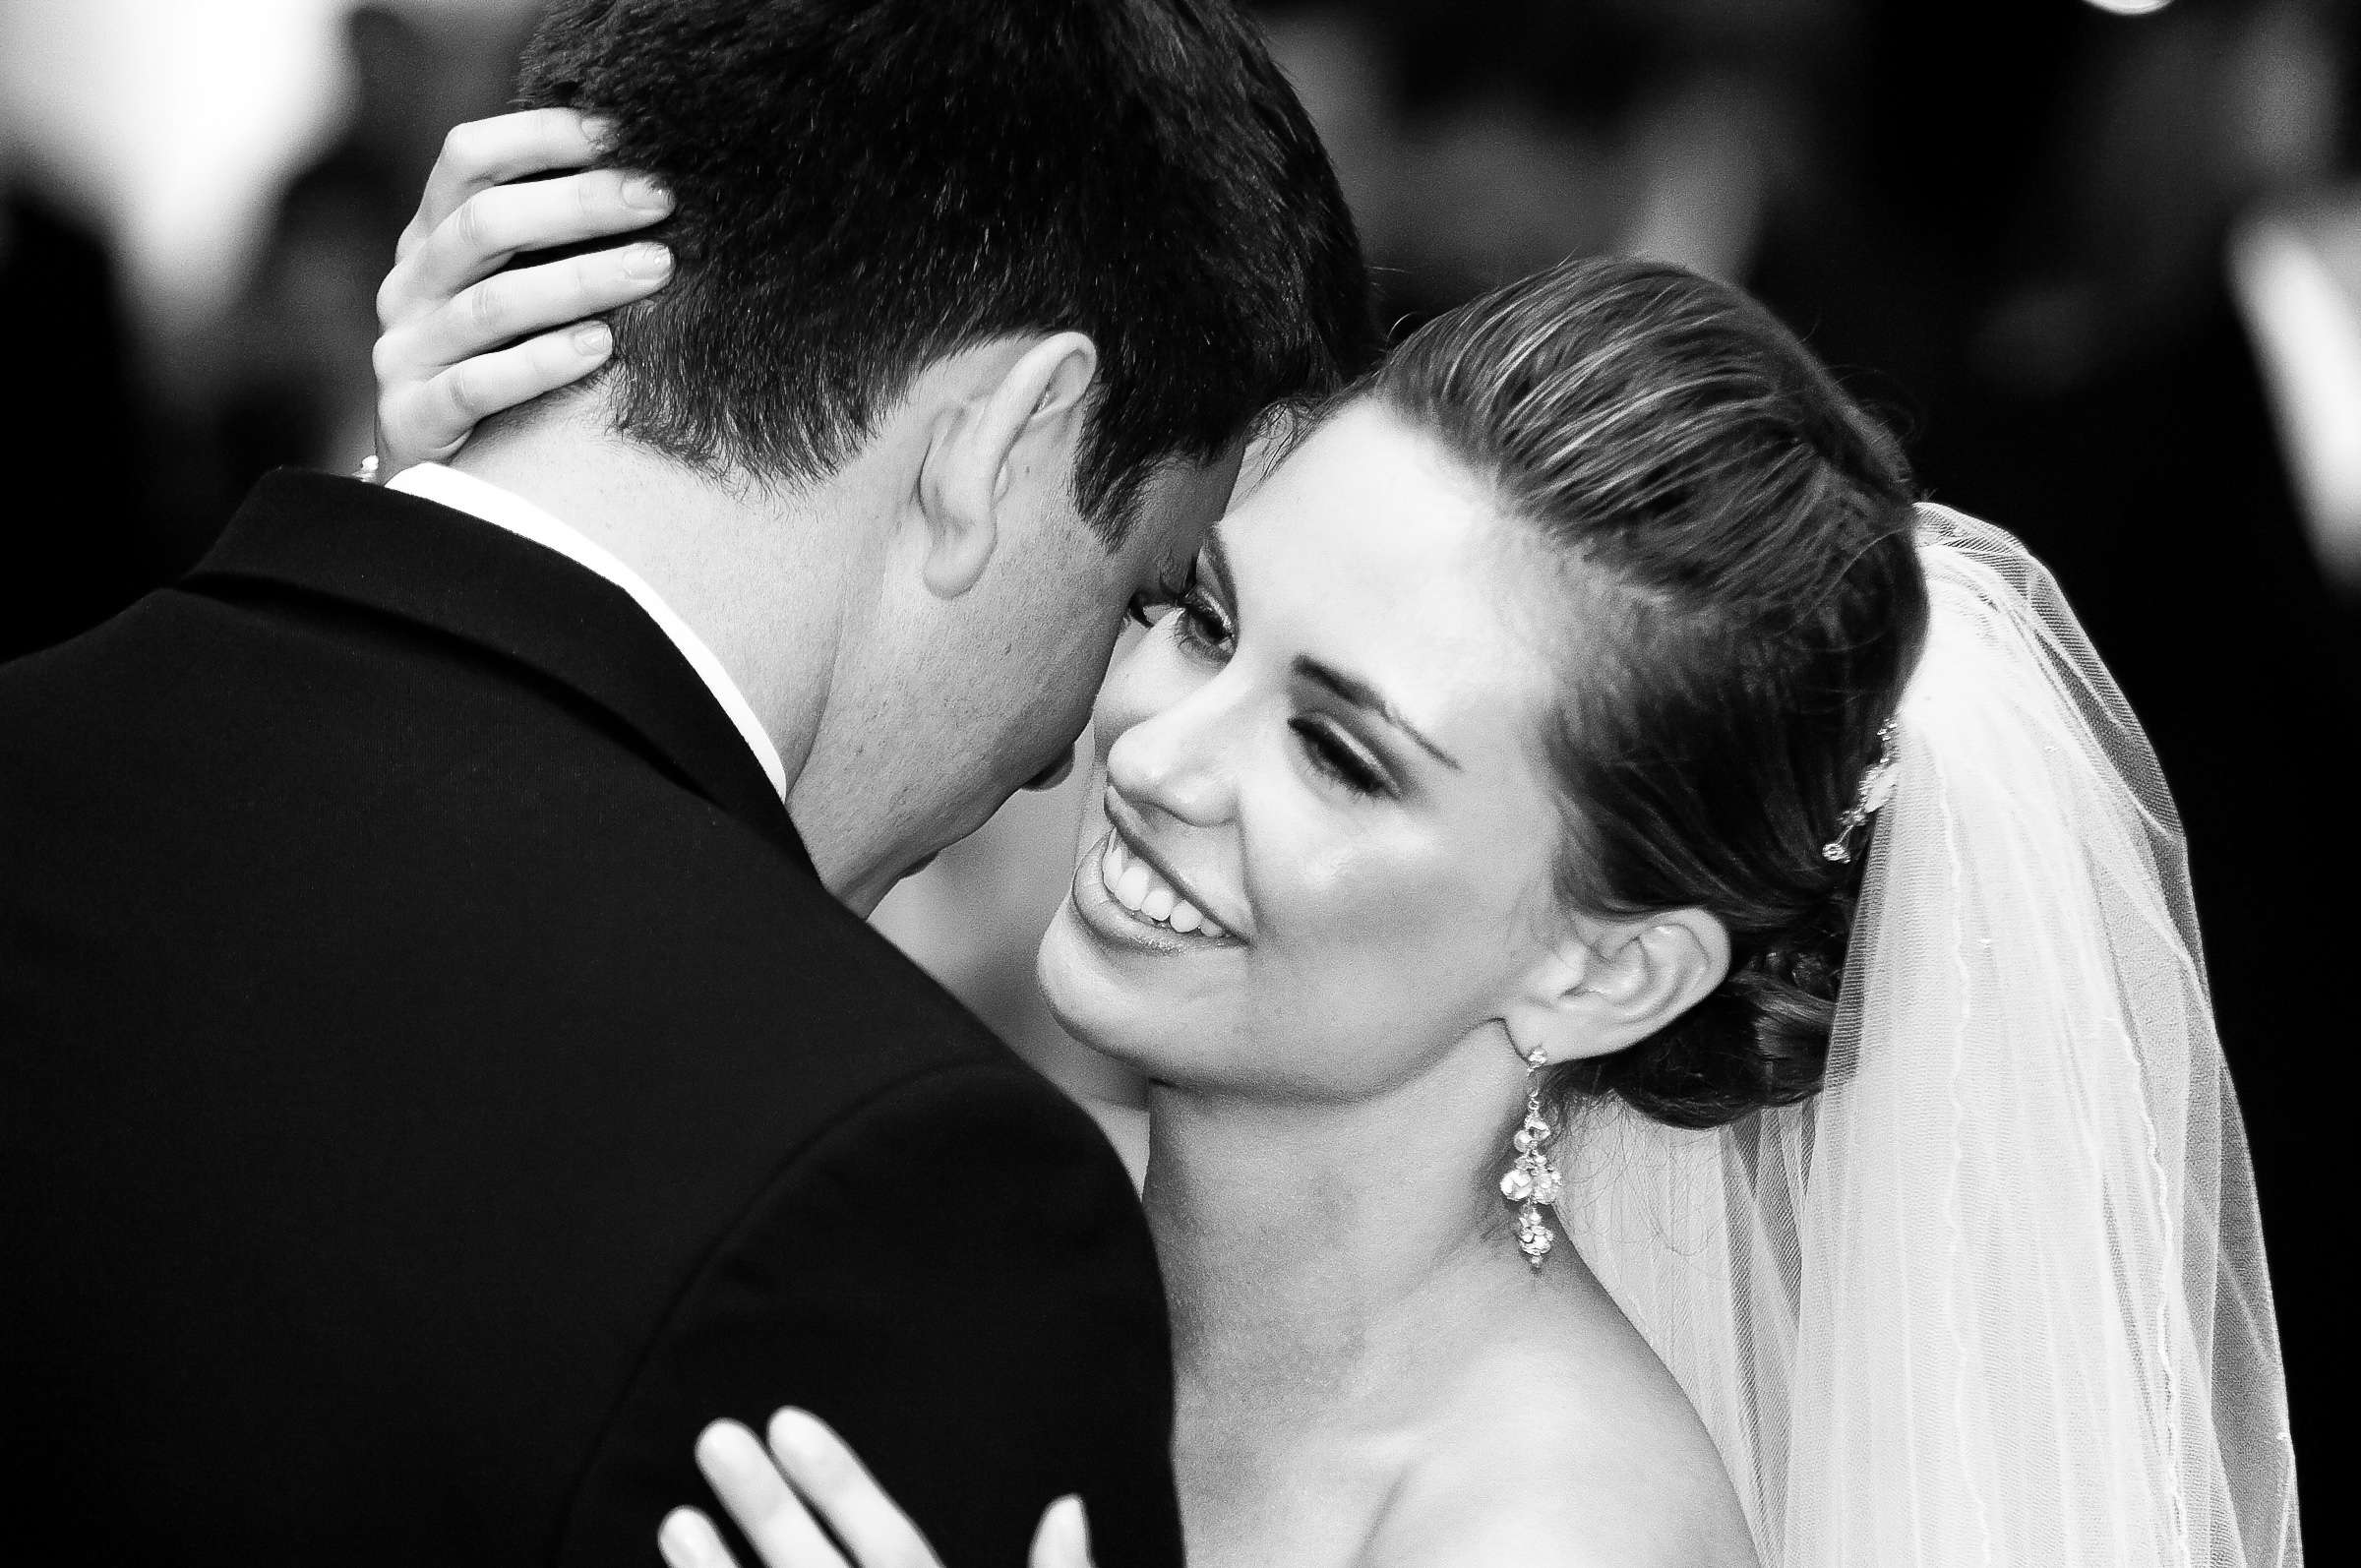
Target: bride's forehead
column 1434, row 598
column 1367, row 501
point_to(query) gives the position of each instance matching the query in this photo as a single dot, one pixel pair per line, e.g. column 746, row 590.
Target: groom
column 442, row 1063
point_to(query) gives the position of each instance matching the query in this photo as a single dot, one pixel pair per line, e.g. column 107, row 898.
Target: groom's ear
column 1018, row 425
column 1608, row 985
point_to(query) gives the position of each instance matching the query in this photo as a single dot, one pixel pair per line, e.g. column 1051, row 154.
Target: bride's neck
column 1306, row 1246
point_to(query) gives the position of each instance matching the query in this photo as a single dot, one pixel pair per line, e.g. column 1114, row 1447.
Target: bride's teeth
column 1130, row 883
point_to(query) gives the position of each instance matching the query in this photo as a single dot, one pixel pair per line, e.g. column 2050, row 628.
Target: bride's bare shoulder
column 1531, row 1539
column 1554, row 1456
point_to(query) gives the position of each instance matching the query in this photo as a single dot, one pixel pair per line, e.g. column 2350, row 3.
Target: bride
column 1675, row 1022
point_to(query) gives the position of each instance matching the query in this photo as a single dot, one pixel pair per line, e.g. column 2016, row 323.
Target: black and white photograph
column 1178, row 783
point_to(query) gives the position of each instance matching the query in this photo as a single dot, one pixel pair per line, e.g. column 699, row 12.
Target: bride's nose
column 1176, row 761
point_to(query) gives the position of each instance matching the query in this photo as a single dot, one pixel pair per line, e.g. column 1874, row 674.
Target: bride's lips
column 1108, row 918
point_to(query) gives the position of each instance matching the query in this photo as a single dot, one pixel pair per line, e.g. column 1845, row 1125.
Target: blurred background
column 2100, row 263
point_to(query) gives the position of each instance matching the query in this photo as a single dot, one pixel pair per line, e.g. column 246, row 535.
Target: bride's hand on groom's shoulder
column 781, row 1495
column 459, row 338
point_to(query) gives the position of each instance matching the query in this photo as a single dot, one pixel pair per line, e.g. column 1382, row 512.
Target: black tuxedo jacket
column 434, row 1084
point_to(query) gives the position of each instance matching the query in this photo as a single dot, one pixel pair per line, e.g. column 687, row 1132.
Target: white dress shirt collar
column 505, row 509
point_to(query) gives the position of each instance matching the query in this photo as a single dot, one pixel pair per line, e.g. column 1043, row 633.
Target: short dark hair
column 1745, row 604
column 864, row 186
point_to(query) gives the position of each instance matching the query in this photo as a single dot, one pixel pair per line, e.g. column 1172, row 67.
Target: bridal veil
column 1997, row 1296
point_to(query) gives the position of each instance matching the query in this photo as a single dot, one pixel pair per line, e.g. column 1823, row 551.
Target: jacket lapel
column 406, row 557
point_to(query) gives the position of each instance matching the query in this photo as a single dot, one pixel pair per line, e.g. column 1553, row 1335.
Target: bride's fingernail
column 646, row 261
column 676, row 1539
column 1066, row 1530
column 644, row 192
column 592, row 338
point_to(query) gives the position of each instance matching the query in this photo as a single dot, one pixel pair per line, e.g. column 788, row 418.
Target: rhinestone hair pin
column 1877, row 787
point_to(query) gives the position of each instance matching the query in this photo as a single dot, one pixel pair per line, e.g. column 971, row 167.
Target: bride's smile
column 1129, row 882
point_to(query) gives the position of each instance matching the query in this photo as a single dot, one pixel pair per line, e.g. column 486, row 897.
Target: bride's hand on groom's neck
column 464, row 335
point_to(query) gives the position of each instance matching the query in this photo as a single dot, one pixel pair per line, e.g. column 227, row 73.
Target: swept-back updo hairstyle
column 1739, row 603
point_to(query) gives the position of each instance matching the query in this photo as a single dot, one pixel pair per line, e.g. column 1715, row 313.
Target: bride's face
column 1322, row 864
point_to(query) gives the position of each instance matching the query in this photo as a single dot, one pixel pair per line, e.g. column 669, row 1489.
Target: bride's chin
column 1091, row 1002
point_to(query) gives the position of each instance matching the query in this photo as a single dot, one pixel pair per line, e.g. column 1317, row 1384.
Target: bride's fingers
column 491, row 226
column 1063, row 1539
column 430, row 421
column 507, row 146
column 832, row 1479
column 500, row 310
column 758, row 1497
column 688, row 1539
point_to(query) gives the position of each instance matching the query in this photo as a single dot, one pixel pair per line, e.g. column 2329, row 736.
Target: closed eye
column 1331, row 752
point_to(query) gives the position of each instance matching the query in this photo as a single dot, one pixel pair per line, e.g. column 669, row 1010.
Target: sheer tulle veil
column 1997, row 1296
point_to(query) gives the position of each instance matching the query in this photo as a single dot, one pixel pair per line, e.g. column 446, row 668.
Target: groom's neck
column 745, row 567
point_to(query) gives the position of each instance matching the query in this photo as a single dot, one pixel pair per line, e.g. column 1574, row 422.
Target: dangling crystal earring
column 1533, row 1181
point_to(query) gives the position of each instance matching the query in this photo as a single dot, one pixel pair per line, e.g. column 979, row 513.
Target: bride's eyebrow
column 1361, row 695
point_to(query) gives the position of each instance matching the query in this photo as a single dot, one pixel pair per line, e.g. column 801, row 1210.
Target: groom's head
column 1022, row 275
